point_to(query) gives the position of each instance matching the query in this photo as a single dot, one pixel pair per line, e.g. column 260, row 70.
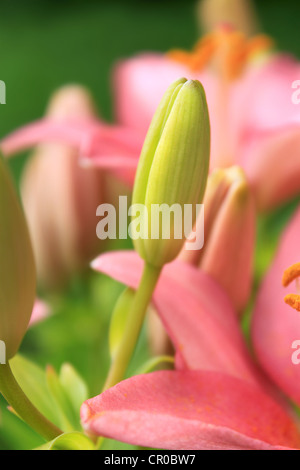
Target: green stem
column 133, row 327
column 15, row 396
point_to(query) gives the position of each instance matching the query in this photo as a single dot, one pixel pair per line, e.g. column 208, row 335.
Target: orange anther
column 226, row 49
column 290, row 274
column 293, row 300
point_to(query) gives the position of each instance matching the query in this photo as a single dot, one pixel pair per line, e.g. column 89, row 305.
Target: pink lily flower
column 216, row 398
column 254, row 123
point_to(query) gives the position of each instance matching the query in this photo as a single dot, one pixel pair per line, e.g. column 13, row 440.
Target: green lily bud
column 17, row 269
column 172, row 170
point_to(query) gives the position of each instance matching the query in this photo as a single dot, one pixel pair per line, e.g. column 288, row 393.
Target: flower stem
column 134, row 324
column 15, row 396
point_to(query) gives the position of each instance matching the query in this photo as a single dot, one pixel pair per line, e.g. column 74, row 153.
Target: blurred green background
column 46, row 44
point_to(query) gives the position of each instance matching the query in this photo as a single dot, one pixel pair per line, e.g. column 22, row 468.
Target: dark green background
column 45, row 44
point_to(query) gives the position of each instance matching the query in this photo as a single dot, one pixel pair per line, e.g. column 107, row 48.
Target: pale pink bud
column 60, row 197
column 229, row 227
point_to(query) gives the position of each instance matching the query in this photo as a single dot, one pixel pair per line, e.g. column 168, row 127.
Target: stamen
column 293, row 300
column 290, row 274
column 199, row 57
column 259, row 43
column 227, row 49
column 232, row 53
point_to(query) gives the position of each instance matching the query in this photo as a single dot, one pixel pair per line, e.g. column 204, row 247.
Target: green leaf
column 74, row 386
column 69, row 419
column 69, row 441
column 119, row 319
column 32, row 380
column 59, row 398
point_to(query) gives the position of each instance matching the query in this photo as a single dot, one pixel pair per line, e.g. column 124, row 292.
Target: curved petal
column 190, row 410
column 275, row 325
column 109, row 147
column 44, row 130
column 195, row 312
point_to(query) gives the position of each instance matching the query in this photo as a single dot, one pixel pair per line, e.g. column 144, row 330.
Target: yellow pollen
column 227, row 49
column 290, row 275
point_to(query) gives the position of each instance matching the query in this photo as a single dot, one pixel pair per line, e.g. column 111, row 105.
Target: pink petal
column 268, row 96
column 189, row 410
column 269, row 130
column 113, row 147
column 275, row 325
column 271, row 162
column 195, row 311
column 109, row 147
column 40, row 311
column 45, row 130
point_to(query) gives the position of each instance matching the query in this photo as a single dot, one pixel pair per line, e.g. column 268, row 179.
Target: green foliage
column 69, row 441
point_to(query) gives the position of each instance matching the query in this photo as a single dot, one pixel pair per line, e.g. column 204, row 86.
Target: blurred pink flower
column 254, row 122
column 217, row 398
column 60, row 191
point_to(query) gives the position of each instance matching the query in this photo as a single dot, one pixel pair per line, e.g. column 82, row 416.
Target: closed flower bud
column 172, row 170
column 17, row 269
